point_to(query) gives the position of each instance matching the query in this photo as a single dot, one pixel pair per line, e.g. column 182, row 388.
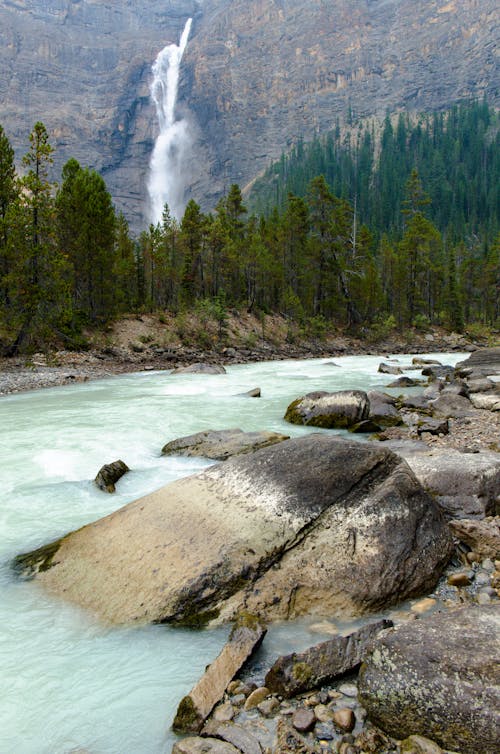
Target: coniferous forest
column 366, row 228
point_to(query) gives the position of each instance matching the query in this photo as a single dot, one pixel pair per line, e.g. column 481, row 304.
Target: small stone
column 473, row 557
column 482, row 578
column 256, row 697
column 483, row 598
column 303, row 720
column 224, row 713
column 233, row 687
column 348, row 689
column 323, row 713
column 238, row 700
column 345, row 719
column 332, row 694
column 488, row 565
column 268, row 706
column 324, row 732
column 458, row 579
column 422, row 606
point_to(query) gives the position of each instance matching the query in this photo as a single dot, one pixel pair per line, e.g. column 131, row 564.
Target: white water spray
column 165, row 184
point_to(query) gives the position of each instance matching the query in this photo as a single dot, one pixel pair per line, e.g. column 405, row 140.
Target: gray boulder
column 404, row 382
column 486, row 401
column 338, row 410
column 438, row 677
column 313, row 525
column 451, row 405
column 200, row 368
column 389, row 369
column 221, row 444
column 383, row 409
column 465, row 485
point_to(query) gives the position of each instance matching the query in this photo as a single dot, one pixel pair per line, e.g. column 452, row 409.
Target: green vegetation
column 369, row 231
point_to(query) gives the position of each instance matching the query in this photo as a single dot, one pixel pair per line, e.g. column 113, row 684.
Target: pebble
column 419, row 745
column 323, row 713
column 324, row 732
column 488, row 565
column 268, row 706
column 224, row 713
column 483, row 598
column 303, row 720
column 423, row 605
column 238, row 700
column 256, row 697
column 459, row 579
column 482, row 578
column 345, row 719
column 348, row 689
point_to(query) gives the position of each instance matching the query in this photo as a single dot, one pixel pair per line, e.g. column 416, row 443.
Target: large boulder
column 383, row 409
column 465, row 485
column 481, row 363
column 109, row 474
column 339, row 410
column 310, row 525
column 221, row 444
column 438, row 677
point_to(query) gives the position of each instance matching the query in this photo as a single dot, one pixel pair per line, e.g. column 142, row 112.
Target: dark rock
column 329, row 410
column 438, row 373
column 438, row 677
column 193, row 710
column 109, row 474
column 205, row 545
column 451, row 406
column 200, row 368
column 404, row 382
column 433, row 426
column 303, row 719
column 383, row 410
column 298, row 672
column 255, row 393
column 368, row 425
column 221, row 444
column 418, row 402
column 324, row 732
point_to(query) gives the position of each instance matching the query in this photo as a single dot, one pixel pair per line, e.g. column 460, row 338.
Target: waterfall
column 165, row 184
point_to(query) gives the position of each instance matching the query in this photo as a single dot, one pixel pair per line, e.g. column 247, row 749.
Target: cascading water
column 165, row 185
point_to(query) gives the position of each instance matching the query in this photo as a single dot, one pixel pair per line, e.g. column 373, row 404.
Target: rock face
column 483, row 362
column 339, row 410
column 221, row 444
column 310, row 525
column 255, row 76
column 438, row 677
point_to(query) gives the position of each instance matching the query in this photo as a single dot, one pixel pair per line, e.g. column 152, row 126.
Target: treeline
column 68, row 261
column 456, row 154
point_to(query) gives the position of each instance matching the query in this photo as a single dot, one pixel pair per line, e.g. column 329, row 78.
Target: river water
column 69, row 683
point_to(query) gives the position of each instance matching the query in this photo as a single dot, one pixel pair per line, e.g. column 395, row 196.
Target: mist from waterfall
column 165, row 183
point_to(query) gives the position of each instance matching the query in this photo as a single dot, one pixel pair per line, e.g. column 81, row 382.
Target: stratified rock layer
column 311, row 525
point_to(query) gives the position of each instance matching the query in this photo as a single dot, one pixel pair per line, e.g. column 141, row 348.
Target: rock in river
column 310, row 525
column 221, row 444
column 438, row 677
column 340, row 410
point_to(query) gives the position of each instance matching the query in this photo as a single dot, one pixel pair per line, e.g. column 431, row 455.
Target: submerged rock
column 438, row 677
column 313, row 525
column 222, row 444
column 200, row 368
column 338, row 410
column 302, row 671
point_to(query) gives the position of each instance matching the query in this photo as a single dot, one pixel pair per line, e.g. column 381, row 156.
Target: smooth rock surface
column 310, row 525
column 438, row 677
column 221, row 444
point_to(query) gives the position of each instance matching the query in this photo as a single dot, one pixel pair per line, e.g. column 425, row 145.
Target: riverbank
column 150, row 342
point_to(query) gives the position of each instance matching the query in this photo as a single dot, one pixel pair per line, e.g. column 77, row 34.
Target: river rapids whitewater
column 69, row 683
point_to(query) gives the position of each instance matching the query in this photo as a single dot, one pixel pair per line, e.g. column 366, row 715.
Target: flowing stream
column 69, row 683
column 165, row 184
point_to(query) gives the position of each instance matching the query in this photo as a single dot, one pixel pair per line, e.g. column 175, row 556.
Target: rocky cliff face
column 255, row 76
